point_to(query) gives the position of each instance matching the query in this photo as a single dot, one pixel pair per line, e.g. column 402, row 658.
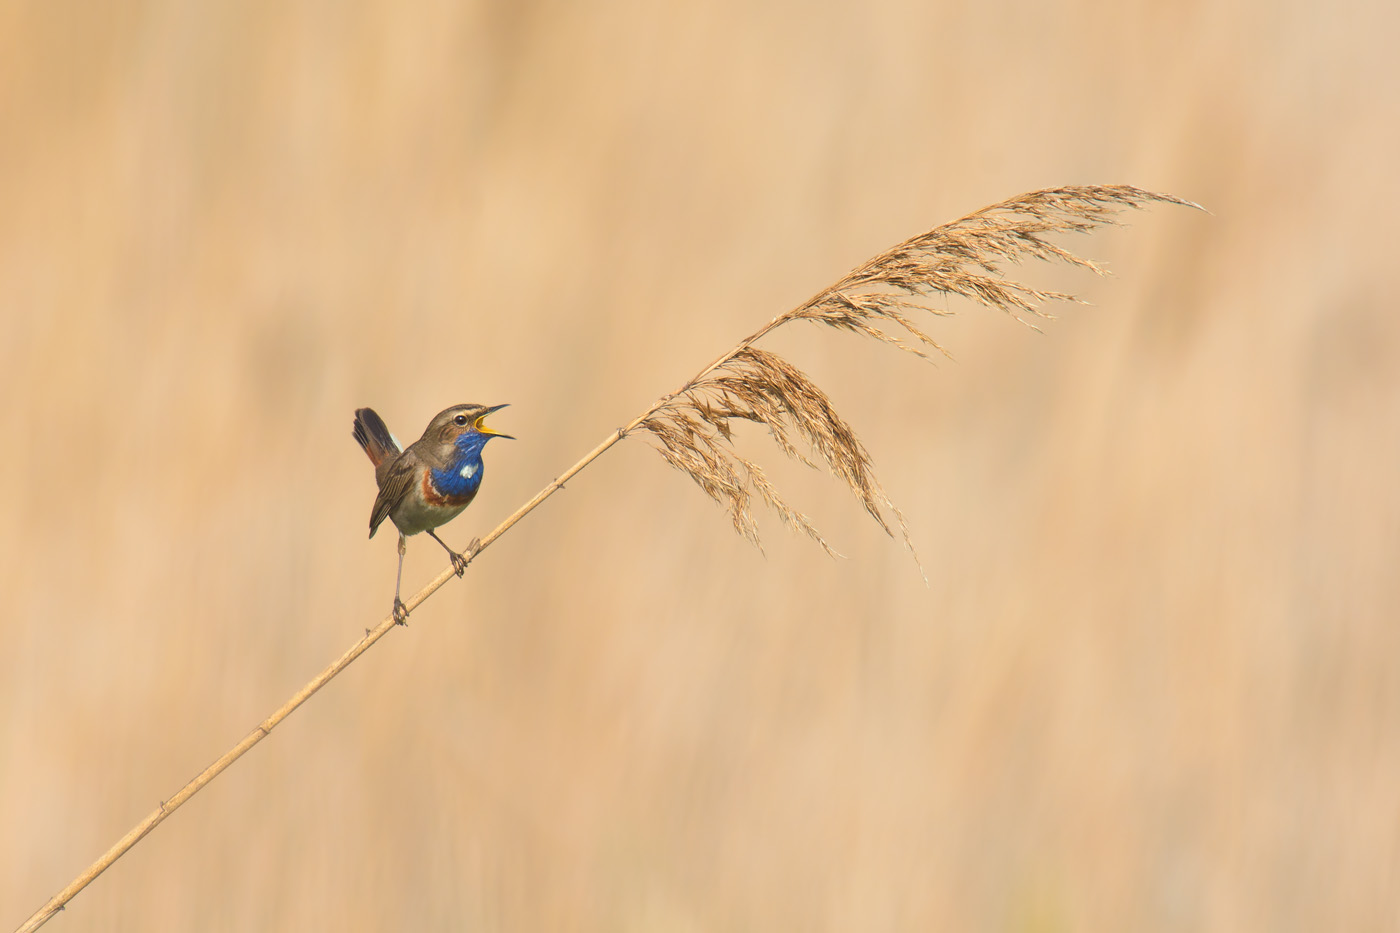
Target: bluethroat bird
column 431, row 482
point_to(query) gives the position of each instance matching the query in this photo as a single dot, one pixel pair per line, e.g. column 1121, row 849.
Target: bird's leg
column 400, row 610
column 459, row 561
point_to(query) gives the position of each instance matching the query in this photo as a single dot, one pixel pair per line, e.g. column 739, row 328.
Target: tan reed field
column 1147, row 684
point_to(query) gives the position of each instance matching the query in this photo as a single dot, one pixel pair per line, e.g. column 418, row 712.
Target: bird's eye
column 460, row 420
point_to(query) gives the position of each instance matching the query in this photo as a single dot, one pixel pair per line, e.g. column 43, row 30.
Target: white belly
column 414, row 516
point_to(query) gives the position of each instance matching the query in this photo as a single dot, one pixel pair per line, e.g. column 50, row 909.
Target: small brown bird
column 431, row 482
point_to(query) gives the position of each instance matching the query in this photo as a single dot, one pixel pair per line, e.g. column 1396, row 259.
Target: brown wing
column 397, row 478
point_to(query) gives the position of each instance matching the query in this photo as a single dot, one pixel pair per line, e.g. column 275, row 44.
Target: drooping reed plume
column 881, row 299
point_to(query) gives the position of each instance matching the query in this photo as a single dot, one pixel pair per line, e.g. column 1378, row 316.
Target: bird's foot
column 400, row 612
column 460, row 561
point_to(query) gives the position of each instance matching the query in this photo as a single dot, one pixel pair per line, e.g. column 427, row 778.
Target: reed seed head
column 878, row 299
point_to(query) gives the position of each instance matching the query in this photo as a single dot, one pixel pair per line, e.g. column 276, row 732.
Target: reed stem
column 957, row 258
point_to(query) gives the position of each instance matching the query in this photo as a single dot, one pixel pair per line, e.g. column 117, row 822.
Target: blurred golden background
column 1150, row 686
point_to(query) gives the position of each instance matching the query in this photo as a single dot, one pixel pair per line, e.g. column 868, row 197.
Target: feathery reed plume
column 877, row 299
column 692, row 424
column 759, row 386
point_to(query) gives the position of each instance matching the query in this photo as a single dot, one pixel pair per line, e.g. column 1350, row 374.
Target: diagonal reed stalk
column 692, row 424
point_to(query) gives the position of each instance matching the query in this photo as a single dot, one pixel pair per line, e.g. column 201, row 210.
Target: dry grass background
column 1150, row 687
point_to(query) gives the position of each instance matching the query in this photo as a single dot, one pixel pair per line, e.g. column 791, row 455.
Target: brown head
column 458, row 430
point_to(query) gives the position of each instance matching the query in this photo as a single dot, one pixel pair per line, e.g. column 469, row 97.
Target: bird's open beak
column 481, row 427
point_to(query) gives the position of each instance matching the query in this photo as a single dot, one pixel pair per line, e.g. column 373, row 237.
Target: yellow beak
column 481, row 427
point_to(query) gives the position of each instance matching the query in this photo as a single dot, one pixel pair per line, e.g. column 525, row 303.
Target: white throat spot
column 469, row 470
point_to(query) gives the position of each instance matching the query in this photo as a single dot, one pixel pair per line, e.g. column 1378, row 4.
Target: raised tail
column 373, row 435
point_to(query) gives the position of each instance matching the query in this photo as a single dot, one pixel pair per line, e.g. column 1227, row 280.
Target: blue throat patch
column 463, row 474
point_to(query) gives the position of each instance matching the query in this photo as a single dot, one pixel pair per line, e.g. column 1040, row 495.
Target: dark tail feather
column 373, row 435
